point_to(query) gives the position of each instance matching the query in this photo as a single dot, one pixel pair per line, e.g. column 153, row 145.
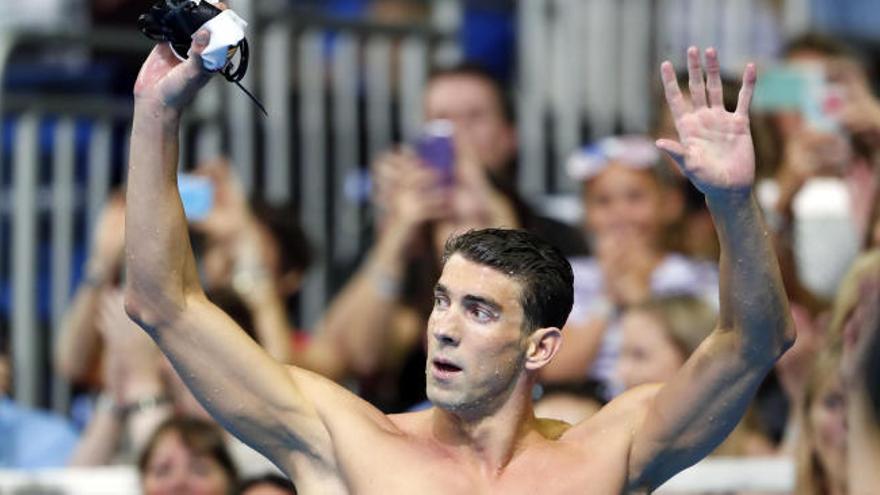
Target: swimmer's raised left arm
column 693, row 413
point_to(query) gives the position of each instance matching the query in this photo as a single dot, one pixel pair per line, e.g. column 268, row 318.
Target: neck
column 493, row 438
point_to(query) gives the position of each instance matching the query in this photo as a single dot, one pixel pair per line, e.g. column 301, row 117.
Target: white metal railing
column 373, row 75
column 588, row 68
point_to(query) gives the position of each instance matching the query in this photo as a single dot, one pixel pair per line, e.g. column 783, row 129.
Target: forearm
column 144, row 400
column 160, row 266
column 270, row 321
column 99, row 442
column 253, row 281
column 274, row 335
column 863, row 443
column 143, row 417
column 359, row 319
column 78, row 336
column 752, row 298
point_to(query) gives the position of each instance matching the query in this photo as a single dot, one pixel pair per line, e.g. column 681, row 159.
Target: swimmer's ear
column 543, row 344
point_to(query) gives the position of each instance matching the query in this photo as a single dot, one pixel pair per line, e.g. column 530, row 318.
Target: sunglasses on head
column 634, row 151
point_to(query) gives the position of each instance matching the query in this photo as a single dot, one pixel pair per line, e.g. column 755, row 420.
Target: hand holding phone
column 804, row 88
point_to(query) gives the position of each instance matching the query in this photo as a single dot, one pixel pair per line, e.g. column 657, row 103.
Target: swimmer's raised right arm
column 685, row 419
column 288, row 415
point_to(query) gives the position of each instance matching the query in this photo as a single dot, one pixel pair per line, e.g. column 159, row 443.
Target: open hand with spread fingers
column 714, row 147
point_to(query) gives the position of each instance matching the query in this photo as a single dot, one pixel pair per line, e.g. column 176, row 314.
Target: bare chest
column 546, row 471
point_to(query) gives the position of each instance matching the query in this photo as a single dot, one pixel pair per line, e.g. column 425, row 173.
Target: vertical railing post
column 313, row 161
column 26, row 341
column 62, row 212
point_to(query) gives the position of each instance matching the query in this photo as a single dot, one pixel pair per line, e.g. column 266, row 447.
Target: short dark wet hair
column 546, row 276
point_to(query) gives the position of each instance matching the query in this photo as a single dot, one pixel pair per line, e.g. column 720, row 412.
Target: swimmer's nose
column 444, row 329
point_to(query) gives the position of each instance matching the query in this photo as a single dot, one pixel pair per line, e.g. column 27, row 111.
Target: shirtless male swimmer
column 484, row 348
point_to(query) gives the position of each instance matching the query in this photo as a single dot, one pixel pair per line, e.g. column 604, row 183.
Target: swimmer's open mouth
column 445, row 366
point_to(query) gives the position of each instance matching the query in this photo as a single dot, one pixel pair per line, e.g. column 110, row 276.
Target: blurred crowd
column 645, row 261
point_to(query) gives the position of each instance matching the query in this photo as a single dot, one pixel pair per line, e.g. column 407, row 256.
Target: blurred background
column 344, row 81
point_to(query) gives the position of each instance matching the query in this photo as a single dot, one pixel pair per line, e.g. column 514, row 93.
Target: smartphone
column 802, row 88
column 197, row 196
column 436, row 149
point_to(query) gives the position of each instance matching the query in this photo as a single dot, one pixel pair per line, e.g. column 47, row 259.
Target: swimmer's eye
column 482, row 314
column 441, row 301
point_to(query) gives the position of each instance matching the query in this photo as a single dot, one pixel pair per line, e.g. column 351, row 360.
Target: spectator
column 658, row 337
column 31, row 439
column 253, row 258
column 259, row 253
column 187, row 455
column 839, row 442
column 821, row 456
column 142, row 391
column 859, row 373
column 479, row 107
column 77, row 352
column 624, row 195
column 821, row 195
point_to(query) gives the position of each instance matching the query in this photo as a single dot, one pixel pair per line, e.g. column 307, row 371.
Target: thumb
column 674, row 149
column 199, row 42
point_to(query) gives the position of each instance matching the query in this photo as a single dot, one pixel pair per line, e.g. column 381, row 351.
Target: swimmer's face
column 476, row 342
column 173, row 468
column 625, row 204
column 647, row 355
column 827, row 422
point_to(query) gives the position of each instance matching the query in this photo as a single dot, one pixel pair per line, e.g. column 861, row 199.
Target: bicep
column 694, row 412
column 242, row 387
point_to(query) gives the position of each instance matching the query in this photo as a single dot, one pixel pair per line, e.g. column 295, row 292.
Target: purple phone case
column 435, row 148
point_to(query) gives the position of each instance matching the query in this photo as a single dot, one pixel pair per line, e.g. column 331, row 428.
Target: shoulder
column 345, row 416
column 623, row 413
column 413, row 423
